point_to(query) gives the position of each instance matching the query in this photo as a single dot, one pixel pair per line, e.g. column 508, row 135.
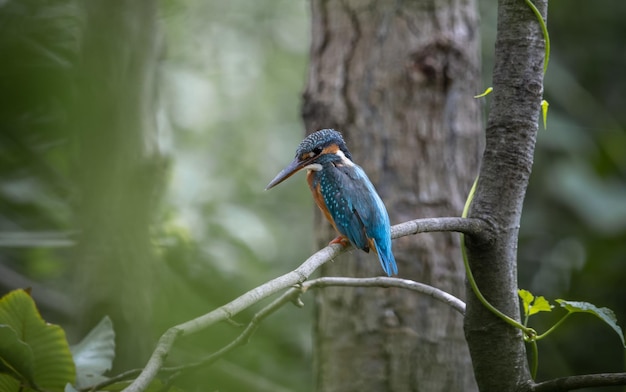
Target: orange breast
column 319, row 200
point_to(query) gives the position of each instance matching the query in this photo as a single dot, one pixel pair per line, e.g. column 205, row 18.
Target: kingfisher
column 344, row 194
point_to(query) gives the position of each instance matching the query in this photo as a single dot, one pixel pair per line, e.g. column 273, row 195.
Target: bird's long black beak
column 294, row 167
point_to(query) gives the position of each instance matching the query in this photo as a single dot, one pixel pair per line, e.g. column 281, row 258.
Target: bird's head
column 320, row 147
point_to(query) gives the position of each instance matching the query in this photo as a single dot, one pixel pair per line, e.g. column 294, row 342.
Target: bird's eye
column 317, row 150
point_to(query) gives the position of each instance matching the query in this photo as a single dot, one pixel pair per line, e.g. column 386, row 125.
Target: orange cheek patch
column 332, row 149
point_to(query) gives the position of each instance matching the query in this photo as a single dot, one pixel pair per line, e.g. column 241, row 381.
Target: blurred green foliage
column 227, row 116
column 34, row 355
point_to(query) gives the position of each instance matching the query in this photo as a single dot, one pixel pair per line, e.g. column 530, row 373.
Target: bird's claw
column 341, row 240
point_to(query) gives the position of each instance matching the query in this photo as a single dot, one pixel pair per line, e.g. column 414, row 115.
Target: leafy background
column 230, row 77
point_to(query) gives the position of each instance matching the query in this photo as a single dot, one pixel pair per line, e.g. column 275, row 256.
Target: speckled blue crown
column 322, row 138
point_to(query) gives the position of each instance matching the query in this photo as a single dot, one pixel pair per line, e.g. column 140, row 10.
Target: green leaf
column 16, row 357
column 527, row 299
column 94, row 354
column 51, row 363
column 540, row 305
column 10, row 384
column 605, row 314
column 532, row 304
column 487, row 92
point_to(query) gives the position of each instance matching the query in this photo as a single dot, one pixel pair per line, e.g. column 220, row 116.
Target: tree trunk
column 497, row 349
column 397, row 78
column 117, row 172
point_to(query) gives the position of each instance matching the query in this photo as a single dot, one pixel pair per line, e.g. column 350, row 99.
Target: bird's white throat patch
column 344, row 158
column 313, row 167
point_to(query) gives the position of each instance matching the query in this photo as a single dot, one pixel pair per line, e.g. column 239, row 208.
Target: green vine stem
column 543, row 335
column 529, row 333
column 526, row 319
column 534, row 355
column 544, row 30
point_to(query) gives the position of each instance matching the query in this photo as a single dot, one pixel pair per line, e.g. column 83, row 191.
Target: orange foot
column 341, row 240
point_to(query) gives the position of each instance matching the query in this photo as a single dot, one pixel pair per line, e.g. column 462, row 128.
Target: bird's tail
column 387, row 261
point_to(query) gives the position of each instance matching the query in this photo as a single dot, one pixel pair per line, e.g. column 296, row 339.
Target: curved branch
column 386, row 282
column 227, row 311
column 293, row 294
column 295, row 277
column 244, row 336
column 579, row 382
column 469, row 226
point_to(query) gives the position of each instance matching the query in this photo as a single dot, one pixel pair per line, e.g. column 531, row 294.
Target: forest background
column 228, row 80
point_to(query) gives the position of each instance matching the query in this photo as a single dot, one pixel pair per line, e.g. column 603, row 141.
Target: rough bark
column 497, row 349
column 117, row 172
column 397, row 78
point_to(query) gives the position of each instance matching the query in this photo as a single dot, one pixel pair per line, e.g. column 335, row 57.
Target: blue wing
column 358, row 212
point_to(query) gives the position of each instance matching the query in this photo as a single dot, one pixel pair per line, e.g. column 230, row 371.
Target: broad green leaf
column 10, row 384
column 527, row 299
column 605, row 314
column 16, row 358
column 94, row 354
column 52, row 365
column 540, row 304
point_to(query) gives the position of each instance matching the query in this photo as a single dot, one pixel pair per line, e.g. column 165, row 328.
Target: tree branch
column 293, row 295
column 295, row 277
column 468, row 226
column 578, row 382
column 228, row 311
column 386, row 282
column 242, row 339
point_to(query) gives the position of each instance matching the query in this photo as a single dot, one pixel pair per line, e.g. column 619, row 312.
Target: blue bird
column 345, row 195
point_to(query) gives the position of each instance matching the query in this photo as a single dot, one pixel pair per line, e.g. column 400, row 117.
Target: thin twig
column 579, row 382
column 293, row 294
column 299, row 275
column 228, row 311
column 110, row 381
column 244, row 336
column 241, row 340
column 386, row 282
